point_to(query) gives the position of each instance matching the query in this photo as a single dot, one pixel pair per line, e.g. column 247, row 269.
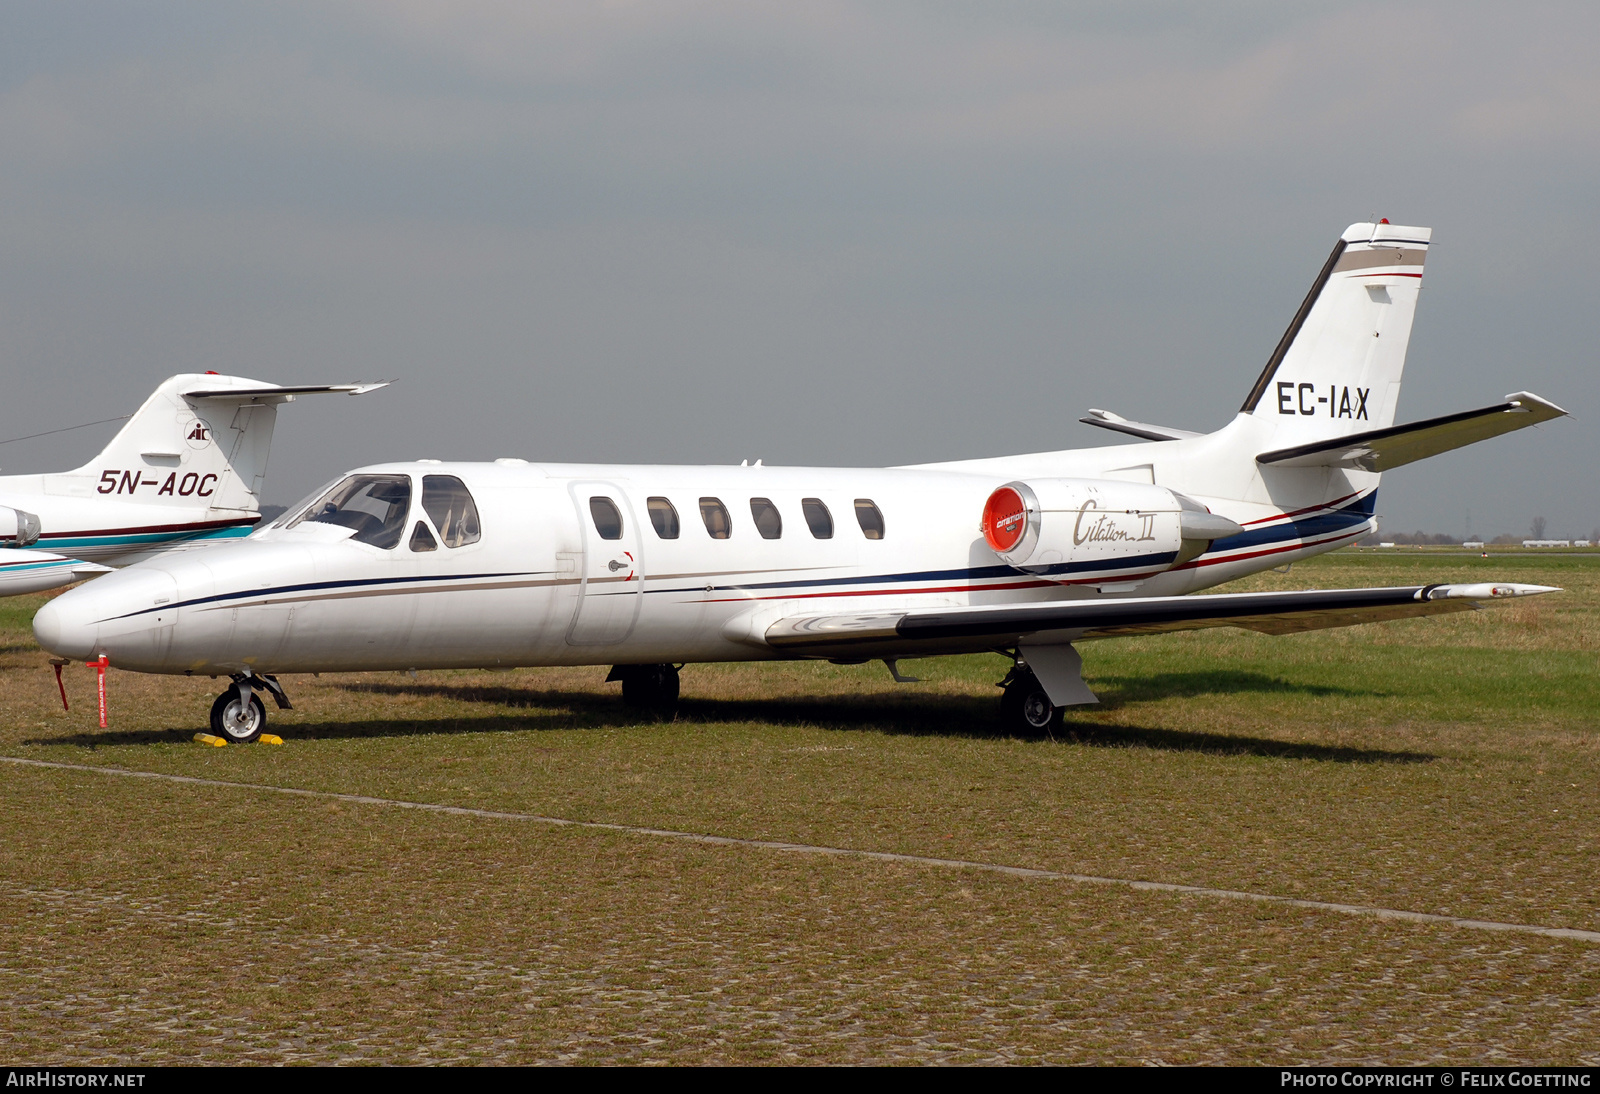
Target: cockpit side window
column 422, row 539
column 374, row 505
column 450, row 506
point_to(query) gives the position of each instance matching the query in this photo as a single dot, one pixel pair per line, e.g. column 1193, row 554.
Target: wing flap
column 1384, row 449
column 966, row 630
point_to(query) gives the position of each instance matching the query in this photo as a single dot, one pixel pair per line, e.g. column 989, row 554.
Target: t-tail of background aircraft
column 187, row 469
column 429, row 565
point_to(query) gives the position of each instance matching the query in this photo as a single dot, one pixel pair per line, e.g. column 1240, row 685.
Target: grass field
column 1447, row 766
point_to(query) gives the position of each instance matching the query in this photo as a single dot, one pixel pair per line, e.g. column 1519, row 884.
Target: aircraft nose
column 126, row 615
column 65, row 631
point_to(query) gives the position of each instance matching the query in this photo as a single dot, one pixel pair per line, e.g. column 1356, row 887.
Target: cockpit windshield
column 374, row 505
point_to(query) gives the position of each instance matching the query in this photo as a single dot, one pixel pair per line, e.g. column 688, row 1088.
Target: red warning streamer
column 100, row 665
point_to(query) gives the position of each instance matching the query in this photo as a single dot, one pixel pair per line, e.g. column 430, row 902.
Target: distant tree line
column 1431, row 539
column 1440, row 539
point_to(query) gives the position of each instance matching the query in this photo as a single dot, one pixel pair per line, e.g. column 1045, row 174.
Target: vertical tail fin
column 1337, row 369
column 192, row 451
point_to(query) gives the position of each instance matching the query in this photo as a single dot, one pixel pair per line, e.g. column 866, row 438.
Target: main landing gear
column 1025, row 707
column 238, row 716
column 648, row 687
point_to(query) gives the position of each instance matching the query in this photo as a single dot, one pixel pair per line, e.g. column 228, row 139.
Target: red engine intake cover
column 1005, row 519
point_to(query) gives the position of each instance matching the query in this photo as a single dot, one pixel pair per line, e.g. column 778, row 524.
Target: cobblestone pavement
column 229, row 927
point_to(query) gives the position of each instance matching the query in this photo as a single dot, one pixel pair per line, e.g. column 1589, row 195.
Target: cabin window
column 375, row 506
column 718, row 524
column 422, row 539
column 870, row 518
column 664, row 517
column 768, row 521
column 818, row 519
column 451, row 508
column 607, row 518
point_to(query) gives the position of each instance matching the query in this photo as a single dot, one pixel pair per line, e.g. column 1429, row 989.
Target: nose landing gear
column 648, row 687
column 238, row 715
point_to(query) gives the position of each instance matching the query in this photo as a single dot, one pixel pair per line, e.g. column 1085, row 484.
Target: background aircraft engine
column 1046, row 526
column 18, row 528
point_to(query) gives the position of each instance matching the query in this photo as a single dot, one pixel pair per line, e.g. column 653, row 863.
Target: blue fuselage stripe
column 1312, row 527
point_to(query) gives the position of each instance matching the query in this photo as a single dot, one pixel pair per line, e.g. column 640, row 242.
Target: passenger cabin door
column 611, row 576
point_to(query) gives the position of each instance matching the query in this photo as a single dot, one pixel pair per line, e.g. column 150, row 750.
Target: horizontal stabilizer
column 273, row 391
column 965, row 630
column 1384, row 449
column 1107, row 420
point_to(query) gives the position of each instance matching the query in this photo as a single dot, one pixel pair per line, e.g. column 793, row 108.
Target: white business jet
column 435, row 565
column 185, row 471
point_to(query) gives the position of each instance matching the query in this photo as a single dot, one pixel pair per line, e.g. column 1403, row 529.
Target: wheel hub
column 1036, row 708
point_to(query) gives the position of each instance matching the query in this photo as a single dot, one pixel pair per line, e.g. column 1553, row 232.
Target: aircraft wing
column 1383, row 449
column 968, row 630
column 273, row 391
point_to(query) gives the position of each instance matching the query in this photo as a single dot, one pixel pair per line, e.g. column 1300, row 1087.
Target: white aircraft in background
column 185, row 471
column 432, row 565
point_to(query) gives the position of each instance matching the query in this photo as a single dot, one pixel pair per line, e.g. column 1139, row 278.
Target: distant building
column 1473, row 545
column 1386, row 545
column 1582, row 543
column 1547, row 543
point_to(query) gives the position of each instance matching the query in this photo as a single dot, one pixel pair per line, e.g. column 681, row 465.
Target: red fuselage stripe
column 1270, row 551
column 1300, row 512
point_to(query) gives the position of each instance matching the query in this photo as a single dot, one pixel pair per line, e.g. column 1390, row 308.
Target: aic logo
column 197, row 433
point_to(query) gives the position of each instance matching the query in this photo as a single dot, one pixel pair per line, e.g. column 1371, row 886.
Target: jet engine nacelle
column 1044, row 526
column 18, row 528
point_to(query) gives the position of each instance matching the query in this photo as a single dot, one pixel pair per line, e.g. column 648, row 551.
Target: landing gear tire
column 650, row 687
column 233, row 721
column 1025, row 706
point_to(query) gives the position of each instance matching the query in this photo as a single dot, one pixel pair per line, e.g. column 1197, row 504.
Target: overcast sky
column 822, row 233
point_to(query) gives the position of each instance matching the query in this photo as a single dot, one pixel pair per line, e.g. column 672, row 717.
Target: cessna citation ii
column 438, row 565
column 185, row 471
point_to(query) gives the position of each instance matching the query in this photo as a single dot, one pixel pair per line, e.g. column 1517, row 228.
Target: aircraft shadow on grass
column 1117, row 691
column 903, row 713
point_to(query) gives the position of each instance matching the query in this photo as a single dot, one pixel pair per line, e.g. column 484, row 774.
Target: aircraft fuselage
column 542, row 586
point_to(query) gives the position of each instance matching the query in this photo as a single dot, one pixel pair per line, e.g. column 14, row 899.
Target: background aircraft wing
column 967, row 630
column 24, row 571
column 1384, row 449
